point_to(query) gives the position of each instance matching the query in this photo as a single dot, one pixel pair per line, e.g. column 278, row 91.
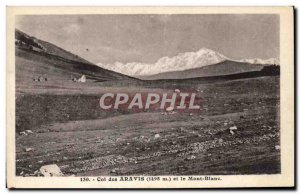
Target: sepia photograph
column 182, row 97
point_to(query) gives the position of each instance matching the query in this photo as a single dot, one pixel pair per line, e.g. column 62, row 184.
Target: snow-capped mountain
column 261, row 61
column 183, row 61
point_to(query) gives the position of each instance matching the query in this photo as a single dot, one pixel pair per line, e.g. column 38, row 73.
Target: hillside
column 224, row 68
column 37, row 58
column 47, row 47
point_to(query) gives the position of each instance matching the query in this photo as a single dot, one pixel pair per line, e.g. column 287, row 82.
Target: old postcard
column 150, row 97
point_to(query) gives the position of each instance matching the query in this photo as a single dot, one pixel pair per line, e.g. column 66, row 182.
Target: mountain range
column 187, row 63
column 37, row 57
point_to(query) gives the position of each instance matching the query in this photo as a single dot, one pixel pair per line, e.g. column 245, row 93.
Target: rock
column 29, row 131
column 191, row 114
column 23, row 133
column 277, row 147
column 232, row 129
column 29, row 149
column 169, row 109
column 82, row 79
column 50, row 170
column 156, row 136
column 116, row 170
column 225, row 124
column 36, row 172
column 192, row 157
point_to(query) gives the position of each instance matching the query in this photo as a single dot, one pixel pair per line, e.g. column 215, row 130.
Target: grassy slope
column 31, row 63
column 49, row 47
column 59, row 65
column 84, row 140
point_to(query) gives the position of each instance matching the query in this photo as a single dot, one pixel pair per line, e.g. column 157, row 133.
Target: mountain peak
column 179, row 62
column 182, row 61
column 203, row 49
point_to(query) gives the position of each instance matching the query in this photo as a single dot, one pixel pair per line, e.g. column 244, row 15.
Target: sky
column 146, row 38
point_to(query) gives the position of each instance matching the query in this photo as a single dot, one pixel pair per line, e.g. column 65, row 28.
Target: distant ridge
column 223, row 68
column 272, row 70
